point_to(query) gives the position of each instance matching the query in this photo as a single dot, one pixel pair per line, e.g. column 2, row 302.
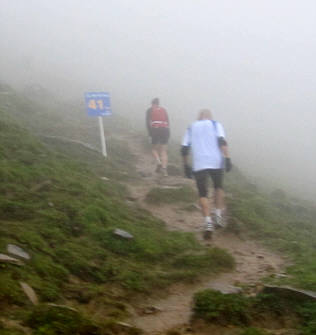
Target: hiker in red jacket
column 157, row 122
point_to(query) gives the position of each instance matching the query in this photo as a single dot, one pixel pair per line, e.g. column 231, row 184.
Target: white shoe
column 219, row 221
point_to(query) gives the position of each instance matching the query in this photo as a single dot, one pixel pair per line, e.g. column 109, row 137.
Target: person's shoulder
column 194, row 123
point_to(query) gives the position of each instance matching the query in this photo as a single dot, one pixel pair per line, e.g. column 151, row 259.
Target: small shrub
column 225, row 309
column 57, row 320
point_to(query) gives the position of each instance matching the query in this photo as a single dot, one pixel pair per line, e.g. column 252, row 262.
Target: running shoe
column 219, row 221
column 208, row 231
column 164, row 172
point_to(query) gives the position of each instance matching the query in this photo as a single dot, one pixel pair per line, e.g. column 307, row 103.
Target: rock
column 50, row 204
column 105, row 178
column 171, row 187
column 123, row 234
column 260, row 256
column 30, row 293
column 17, row 251
column 124, row 324
column 226, row 289
column 7, row 259
column 290, row 292
column 280, row 275
column 151, row 310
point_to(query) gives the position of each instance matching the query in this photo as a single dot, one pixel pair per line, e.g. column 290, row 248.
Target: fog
column 251, row 62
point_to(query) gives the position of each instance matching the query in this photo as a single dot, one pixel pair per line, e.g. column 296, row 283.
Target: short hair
column 205, row 114
column 155, row 101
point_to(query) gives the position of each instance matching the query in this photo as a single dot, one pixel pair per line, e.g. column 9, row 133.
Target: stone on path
column 124, row 325
column 30, row 293
column 226, row 289
column 151, row 310
column 171, row 187
column 123, row 234
column 17, row 251
column 7, row 259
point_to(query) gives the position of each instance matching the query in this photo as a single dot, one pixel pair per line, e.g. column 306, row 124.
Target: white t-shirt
column 203, row 136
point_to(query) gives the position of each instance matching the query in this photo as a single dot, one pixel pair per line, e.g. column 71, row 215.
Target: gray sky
column 252, row 62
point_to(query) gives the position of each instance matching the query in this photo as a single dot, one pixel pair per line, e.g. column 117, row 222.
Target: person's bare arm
column 225, row 152
column 224, row 148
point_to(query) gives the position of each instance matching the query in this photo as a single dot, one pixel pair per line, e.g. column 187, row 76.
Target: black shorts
column 201, row 178
column 160, row 135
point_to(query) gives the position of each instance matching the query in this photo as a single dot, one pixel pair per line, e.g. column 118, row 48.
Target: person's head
column 205, row 114
column 155, row 102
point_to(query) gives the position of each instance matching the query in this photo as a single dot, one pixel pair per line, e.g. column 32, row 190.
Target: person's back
column 159, row 117
column 204, row 142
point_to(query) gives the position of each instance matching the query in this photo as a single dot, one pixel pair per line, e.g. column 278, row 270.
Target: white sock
column 208, row 223
column 218, row 212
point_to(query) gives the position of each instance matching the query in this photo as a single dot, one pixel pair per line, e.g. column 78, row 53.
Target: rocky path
column 253, row 261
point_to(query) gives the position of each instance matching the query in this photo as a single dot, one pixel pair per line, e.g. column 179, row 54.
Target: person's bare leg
column 219, row 199
column 205, row 206
column 219, row 206
column 155, row 152
column 208, row 220
column 164, row 156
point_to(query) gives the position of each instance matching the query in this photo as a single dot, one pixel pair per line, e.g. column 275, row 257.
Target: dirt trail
column 253, row 261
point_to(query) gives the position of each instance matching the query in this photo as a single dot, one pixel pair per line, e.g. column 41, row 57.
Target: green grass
column 284, row 224
column 239, row 310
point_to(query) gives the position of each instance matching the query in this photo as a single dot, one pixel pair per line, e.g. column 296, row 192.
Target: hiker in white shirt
column 210, row 157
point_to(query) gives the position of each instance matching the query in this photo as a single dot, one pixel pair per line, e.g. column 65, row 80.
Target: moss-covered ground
column 254, row 313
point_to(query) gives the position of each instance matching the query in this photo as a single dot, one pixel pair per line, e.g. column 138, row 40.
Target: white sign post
column 98, row 104
column 103, row 143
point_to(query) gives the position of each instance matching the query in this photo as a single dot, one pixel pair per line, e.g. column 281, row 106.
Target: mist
column 251, row 62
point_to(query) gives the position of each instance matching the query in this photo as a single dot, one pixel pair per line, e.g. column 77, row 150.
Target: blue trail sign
column 98, row 103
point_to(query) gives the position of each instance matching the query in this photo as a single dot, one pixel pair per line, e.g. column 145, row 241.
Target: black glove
column 228, row 164
column 187, row 171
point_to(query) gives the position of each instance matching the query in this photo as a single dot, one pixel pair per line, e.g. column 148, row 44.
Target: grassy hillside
column 283, row 223
column 55, row 206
